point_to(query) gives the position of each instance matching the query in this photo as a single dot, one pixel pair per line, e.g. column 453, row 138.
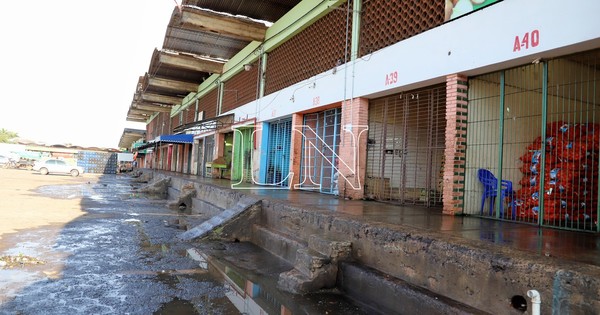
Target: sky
column 69, row 68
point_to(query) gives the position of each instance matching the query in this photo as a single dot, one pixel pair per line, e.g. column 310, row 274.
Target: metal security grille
column 278, row 153
column 242, row 155
column 209, row 151
column 320, row 146
column 405, row 149
column 200, row 158
column 537, row 129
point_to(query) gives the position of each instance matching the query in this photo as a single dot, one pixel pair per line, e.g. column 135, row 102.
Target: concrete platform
column 482, row 263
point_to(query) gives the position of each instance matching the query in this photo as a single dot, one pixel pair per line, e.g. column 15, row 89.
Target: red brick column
column 296, row 149
column 456, row 142
column 353, row 148
column 186, row 159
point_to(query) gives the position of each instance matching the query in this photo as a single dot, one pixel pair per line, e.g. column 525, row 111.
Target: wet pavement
column 122, row 257
column 582, row 247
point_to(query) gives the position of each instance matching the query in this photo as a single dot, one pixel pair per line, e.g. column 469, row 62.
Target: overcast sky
column 69, row 67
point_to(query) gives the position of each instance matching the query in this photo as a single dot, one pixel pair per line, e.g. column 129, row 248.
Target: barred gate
column 277, row 166
column 320, row 146
column 405, row 148
column 531, row 127
column 209, row 152
column 242, row 154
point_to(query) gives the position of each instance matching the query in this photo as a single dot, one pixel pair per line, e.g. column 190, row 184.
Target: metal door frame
column 318, row 161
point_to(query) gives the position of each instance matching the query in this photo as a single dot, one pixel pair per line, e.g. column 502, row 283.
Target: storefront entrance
column 535, row 130
column 320, row 148
column 242, row 155
column 405, row 148
column 277, row 159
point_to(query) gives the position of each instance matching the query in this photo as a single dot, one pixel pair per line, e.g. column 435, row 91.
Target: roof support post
column 220, row 98
column 263, row 74
column 356, row 15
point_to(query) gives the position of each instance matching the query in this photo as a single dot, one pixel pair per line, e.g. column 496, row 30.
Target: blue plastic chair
column 490, row 191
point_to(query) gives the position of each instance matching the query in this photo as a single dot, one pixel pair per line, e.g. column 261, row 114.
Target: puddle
column 177, row 306
column 66, row 191
column 24, row 261
column 253, row 293
column 12, row 281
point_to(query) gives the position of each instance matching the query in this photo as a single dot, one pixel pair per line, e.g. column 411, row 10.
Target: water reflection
column 257, row 294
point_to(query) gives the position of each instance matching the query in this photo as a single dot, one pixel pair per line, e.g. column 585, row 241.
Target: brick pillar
column 353, row 148
column 456, row 142
column 296, row 149
column 186, row 158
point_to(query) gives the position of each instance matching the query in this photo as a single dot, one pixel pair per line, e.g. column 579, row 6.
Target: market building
column 415, row 103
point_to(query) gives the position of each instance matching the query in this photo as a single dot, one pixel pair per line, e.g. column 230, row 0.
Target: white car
column 57, row 166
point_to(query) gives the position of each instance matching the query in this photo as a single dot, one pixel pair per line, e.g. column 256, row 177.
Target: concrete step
column 312, row 271
column 315, row 263
column 309, row 262
column 278, row 244
column 335, row 250
column 245, row 203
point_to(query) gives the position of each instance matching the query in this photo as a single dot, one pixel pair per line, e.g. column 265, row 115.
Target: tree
column 7, row 135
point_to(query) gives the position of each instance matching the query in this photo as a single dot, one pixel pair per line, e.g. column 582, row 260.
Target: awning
column 167, row 139
column 183, row 138
column 205, row 125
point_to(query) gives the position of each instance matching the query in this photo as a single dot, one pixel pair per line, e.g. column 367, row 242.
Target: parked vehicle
column 4, row 159
column 25, row 163
column 57, row 166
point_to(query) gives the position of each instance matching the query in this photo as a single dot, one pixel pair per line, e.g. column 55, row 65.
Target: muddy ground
column 91, row 245
column 95, row 245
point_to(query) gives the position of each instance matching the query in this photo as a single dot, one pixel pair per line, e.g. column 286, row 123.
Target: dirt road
column 95, row 245
column 21, row 208
column 92, row 245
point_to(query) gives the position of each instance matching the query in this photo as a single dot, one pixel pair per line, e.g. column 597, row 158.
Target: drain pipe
column 536, row 301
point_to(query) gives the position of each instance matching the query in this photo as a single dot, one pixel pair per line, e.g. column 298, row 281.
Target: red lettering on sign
column 316, row 101
column 391, row 78
column 529, row 40
column 535, row 38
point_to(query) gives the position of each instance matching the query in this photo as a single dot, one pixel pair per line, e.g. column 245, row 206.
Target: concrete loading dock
column 481, row 263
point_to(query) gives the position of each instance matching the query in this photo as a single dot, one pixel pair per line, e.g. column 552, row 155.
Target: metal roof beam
column 155, row 108
column 171, row 85
column 227, row 25
column 136, row 119
column 135, row 111
column 186, row 61
column 163, row 99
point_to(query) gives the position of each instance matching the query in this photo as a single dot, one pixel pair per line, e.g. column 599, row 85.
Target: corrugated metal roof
column 267, row 10
column 206, row 43
column 129, row 136
column 201, row 43
column 162, row 70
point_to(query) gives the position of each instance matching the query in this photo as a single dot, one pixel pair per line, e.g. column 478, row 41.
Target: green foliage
column 7, row 135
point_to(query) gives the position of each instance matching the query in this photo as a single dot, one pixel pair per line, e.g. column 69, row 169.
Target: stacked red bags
column 570, row 174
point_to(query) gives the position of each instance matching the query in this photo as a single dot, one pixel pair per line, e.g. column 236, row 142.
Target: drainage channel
column 249, row 276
